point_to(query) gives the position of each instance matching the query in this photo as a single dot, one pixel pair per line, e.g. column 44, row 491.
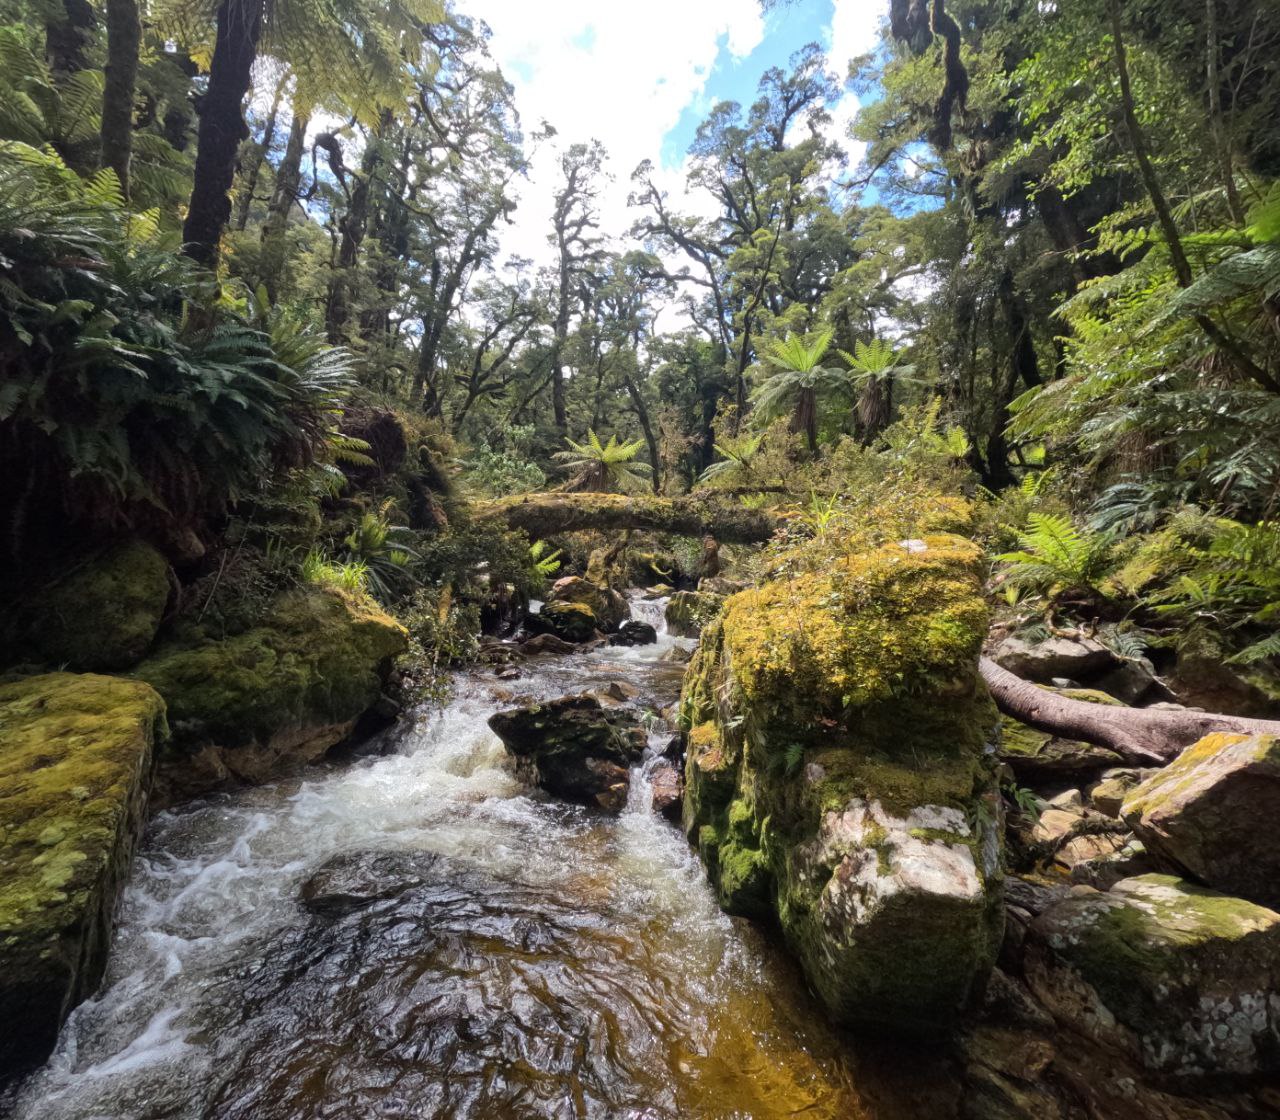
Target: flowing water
column 550, row 962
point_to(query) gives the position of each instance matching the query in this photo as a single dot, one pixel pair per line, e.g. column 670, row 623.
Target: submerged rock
column 838, row 780
column 1213, row 811
column 688, row 612
column 76, row 754
column 634, row 633
column 353, row 880
column 105, row 614
column 579, row 750
column 255, row 705
column 546, row 643
column 1179, row 977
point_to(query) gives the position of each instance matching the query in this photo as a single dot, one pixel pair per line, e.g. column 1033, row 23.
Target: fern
column 1055, row 556
column 603, row 467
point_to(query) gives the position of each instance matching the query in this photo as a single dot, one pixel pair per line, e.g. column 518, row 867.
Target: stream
column 553, row 962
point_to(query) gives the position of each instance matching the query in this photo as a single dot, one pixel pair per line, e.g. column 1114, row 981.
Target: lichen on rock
column 256, row 704
column 1180, row 977
column 838, row 775
column 76, row 755
column 1213, row 810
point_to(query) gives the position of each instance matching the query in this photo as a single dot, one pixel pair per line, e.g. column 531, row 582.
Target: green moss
column 104, row 615
column 315, row 659
column 866, row 628
column 76, row 753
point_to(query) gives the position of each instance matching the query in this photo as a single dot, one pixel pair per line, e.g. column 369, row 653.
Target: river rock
column 634, row 633
column 689, row 611
column 354, row 880
column 668, row 790
column 1213, row 811
column 608, row 606
column 1205, row 677
column 253, row 706
column 76, row 755
column 579, row 750
column 1179, row 977
column 1108, row 796
column 104, row 615
column 546, row 643
column 1053, row 657
column 838, row 779
column 571, row 623
column 1105, row 870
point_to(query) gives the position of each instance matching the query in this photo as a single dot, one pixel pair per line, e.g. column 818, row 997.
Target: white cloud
column 619, row 73
column 854, row 27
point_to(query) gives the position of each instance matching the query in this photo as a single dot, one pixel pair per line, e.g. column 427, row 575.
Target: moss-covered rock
column 257, row 704
column 608, row 606
column 688, row 612
column 1205, row 676
column 1180, row 977
column 579, row 750
column 76, row 754
column 104, row 615
column 1213, row 812
column 570, row 622
column 838, row 776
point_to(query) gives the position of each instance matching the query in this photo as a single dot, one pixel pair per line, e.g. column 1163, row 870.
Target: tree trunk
column 283, row 199
column 1142, row 736
column 249, row 174
column 547, row 514
column 353, row 224
column 646, row 426
column 222, row 128
column 1216, row 123
column 124, row 39
column 67, row 35
column 804, row 421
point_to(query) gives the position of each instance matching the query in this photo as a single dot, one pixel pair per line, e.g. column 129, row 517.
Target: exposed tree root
column 1142, row 736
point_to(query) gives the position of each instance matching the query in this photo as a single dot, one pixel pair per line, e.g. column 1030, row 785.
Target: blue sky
column 787, row 29
column 640, row 78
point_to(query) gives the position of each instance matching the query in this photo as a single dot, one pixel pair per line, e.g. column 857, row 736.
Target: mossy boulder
column 1177, row 976
column 839, row 779
column 608, row 606
column 687, row 612
column 1205, row 676
column 260, row 703
column 570, row 622
column 1213, row 812
column 104, row 615
column 76, row 756
column 577, row 748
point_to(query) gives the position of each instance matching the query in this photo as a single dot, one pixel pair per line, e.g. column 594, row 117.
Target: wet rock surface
column 351, row 881
column 634, row 633
column 580, row 750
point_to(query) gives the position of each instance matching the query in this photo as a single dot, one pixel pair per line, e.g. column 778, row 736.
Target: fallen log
column 545, row 514
column 1143, row 736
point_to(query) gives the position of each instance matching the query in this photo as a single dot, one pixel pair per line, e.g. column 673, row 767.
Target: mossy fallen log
column 545, row 514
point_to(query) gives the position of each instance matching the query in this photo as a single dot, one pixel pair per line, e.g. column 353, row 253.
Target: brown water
column 552, row 963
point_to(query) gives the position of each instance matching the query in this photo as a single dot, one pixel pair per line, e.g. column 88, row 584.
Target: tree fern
column 603, row 467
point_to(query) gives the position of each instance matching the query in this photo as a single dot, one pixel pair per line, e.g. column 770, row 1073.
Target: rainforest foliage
column 254, row 305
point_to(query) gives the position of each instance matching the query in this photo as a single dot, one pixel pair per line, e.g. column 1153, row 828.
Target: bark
column 1217, row 123
column 1141, row 735
column 283, row 199
column 222, row 128
column 67, row 35
column 124, row 40
column 545, row 514
column 250, row 173
column 646, row 426
column 353, row 224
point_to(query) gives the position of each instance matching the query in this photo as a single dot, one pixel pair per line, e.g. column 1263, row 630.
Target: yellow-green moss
column 315, row 659
column 867, row 628
column 76, row 753
column 103, row 615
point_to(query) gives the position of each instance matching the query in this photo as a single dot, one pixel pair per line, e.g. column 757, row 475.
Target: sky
column 641, row 77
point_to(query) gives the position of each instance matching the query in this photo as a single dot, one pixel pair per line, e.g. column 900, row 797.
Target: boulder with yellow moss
column 1213, row 810
column 839, row 776
column 256, row 705
column 76, row 755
